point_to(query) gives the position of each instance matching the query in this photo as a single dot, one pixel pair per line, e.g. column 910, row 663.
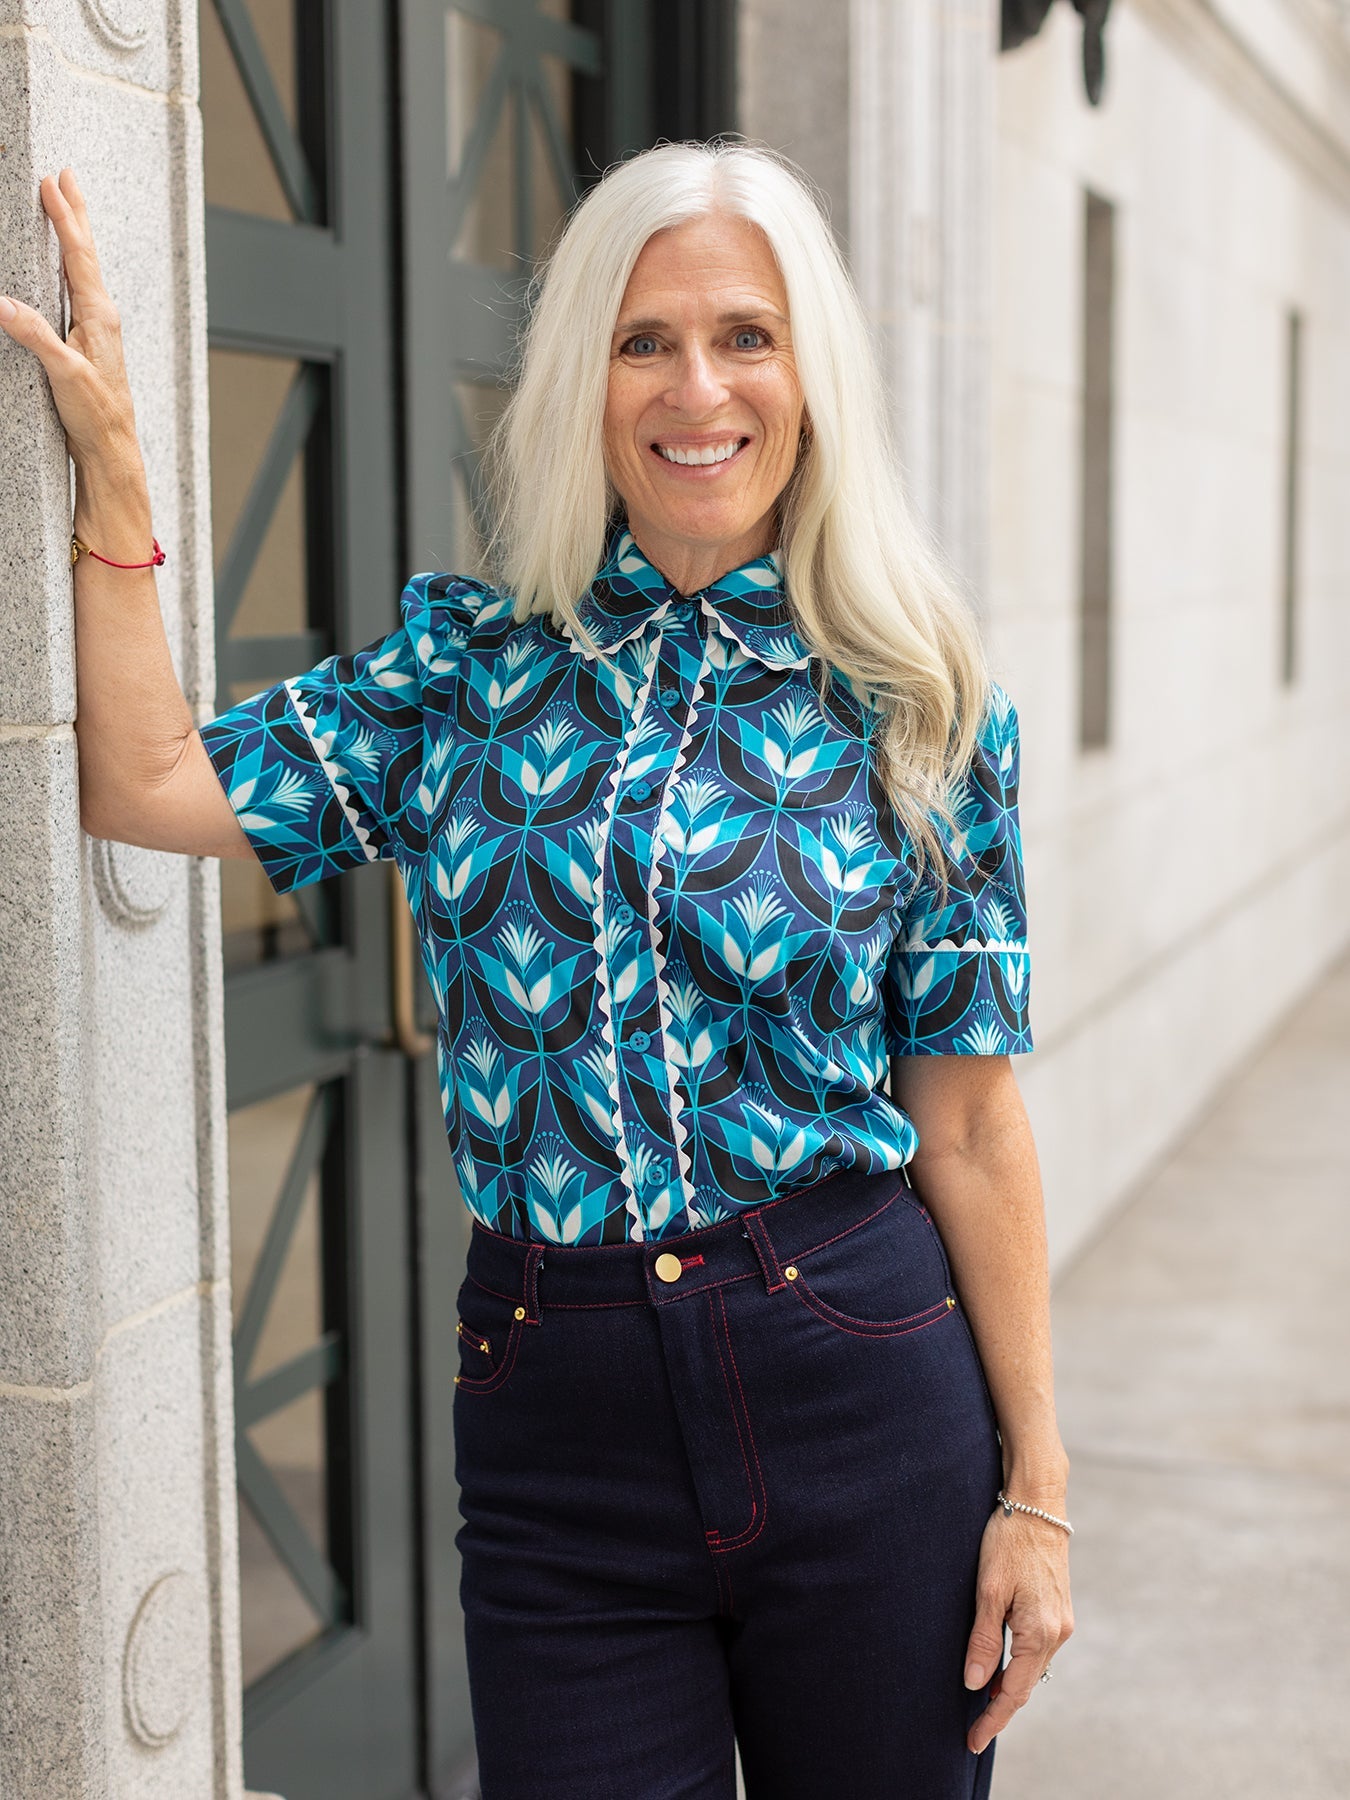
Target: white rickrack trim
column 986, row 946
column 768, row 662
column 336, row 777
column 680, row 1136
column 626, row 1175
column 578, row 648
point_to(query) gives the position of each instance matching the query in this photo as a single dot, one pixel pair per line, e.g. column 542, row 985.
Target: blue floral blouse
column 668, row 916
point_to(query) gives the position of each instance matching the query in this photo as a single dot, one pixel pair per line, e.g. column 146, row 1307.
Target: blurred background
column 1106, row 252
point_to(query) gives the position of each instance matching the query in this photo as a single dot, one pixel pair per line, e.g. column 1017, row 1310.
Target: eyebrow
column 739, row 315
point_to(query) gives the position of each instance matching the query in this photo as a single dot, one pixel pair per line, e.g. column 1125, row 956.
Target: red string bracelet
column 76, row 547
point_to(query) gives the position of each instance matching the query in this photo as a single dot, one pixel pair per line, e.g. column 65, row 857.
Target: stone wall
column 118, row 1587
column 1187, row 883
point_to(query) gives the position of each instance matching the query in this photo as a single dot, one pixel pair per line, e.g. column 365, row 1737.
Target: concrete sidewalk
column 1202, row 1349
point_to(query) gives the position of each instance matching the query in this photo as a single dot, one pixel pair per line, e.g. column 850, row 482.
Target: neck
column 689, row 568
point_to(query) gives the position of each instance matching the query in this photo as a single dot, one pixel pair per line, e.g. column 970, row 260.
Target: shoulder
column 999, row 729
column 441, row 611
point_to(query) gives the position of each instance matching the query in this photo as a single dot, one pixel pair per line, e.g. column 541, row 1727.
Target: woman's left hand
column 1023, row 1578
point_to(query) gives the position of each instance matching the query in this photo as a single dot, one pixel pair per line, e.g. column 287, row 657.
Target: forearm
column 132, row 720
column 984, row 1191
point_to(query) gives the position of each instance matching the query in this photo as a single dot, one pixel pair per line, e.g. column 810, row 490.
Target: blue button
column 624, row 915
column 638, row 1040
column 640, row 791
column 670, row 696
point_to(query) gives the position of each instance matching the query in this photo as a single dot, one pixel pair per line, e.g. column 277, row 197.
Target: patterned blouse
column 668, row 916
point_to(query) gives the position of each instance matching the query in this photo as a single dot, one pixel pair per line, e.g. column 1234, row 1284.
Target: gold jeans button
column 668, row 1267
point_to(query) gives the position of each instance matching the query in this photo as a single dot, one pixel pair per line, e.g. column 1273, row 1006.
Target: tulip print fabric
column 668, row 916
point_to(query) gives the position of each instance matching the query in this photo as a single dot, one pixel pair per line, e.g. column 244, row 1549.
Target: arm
column 145, row 777
column 977, row 1172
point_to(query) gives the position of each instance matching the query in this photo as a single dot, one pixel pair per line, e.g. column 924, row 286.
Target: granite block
column 155, row 1580
column 142, row 1098
column 132, row 154
column 149, row 44
column 138, row 160
column 52, row 1732
column 37, row 672
column 49, row 1306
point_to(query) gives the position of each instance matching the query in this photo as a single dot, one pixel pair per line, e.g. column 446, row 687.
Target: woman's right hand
column 145, row 777
column 87, row 374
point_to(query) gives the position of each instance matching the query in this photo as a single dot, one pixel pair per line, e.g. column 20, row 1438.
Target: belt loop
column 758, row 1233
column 533, row 1257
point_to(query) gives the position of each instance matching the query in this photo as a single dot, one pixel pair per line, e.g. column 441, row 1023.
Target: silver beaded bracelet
column 1021, row 1506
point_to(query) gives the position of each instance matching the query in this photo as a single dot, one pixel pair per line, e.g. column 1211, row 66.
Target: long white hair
column 868, row 587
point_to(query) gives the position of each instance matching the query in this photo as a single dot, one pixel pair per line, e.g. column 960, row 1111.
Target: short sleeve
column 320, row 767
column 958, row 977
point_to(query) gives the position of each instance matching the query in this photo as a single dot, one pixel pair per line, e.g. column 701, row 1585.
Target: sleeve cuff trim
column 341, row 792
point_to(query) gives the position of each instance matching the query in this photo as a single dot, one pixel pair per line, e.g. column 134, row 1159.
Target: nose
column 696, row 388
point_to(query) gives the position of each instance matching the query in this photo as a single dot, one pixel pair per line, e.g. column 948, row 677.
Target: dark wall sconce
column 1022, row 19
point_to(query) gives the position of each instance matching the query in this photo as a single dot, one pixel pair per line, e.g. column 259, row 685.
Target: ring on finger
column 1045, row 1673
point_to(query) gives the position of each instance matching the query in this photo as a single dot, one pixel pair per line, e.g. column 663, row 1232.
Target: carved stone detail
column 163, row 1661
column 121, row 23
column 132, row 884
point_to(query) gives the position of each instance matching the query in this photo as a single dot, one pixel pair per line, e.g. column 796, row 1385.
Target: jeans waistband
column 756, row 1241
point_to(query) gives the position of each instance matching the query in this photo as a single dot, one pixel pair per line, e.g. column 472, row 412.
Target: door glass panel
column 248, row 394
column 288, row 1369
column 550, row 125
column 480, row 150
column 240, row 171
column 264, row 413
column 479, row 405
column 509, row 121
column 276, row 1617
column 509, row 124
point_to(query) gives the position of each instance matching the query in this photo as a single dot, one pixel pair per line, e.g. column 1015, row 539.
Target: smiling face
column 704, row 412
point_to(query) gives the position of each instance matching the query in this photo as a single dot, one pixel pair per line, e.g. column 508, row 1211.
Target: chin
column 709, row 525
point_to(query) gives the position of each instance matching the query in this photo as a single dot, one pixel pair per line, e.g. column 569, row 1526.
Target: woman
column 705, row 811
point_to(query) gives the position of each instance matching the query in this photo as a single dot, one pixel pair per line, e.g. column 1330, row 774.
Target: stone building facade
column 1116, row 343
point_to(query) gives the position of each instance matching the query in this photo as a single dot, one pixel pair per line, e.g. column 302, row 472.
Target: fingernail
column 974, row 1675
column 7, row 309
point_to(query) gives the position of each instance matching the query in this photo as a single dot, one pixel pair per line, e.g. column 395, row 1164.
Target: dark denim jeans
column 749, row 1499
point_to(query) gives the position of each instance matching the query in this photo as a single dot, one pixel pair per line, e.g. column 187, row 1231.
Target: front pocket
column 879, row 1278
column 916, row 1321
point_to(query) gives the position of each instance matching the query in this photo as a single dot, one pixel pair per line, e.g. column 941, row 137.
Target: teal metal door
column 379, row 182
column 301, row 285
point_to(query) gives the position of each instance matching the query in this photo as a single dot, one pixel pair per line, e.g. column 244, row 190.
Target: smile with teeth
column 702, row 454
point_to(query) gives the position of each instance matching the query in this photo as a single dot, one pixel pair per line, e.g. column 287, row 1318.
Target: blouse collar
column 747, row 604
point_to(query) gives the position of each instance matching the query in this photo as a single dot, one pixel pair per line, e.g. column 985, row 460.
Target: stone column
column 920, row 228
column 118, row 1582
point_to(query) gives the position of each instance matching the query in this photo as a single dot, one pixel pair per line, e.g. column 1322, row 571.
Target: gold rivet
column 791, row 1271
column 482, row 1343
column 520, row 1314
column 457, row 1381
column 950, row 1303
column 668, row 1267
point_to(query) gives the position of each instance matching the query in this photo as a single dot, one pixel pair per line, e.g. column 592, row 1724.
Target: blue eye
column 753, row 333
column 641, row 346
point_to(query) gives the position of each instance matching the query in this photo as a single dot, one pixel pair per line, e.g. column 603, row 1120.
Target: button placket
column 625, row 875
